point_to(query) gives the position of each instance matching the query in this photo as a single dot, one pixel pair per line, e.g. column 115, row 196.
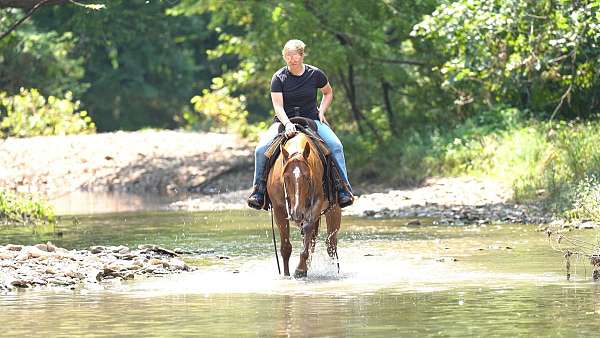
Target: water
column 395, row 280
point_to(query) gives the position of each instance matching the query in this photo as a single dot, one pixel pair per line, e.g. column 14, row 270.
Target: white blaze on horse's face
column 297, row 174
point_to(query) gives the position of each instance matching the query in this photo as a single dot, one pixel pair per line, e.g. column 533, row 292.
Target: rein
column 275, row 243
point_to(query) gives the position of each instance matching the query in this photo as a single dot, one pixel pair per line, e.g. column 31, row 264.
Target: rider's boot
column 344, row 195
column 257, row 198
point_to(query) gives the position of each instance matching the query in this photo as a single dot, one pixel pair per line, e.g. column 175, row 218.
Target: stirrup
column 256, row 200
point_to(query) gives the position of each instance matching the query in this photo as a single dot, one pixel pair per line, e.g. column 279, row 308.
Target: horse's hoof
column 300, row 274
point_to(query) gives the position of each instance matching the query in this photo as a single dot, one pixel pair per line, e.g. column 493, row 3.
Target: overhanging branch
column 27, row 15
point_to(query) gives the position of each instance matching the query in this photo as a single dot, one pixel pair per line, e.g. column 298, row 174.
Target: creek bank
column 52, row 266
column 149, row 161
column 213, row 171
column 461, row 200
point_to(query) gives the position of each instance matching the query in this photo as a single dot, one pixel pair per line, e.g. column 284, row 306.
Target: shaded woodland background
column 508, row 89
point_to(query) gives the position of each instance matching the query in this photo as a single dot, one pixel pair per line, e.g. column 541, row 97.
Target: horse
column 295, row 188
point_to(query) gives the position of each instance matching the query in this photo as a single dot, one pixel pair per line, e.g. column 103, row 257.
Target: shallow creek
column 395, row 280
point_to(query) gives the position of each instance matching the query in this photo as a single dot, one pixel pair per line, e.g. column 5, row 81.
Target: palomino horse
column 295, row 188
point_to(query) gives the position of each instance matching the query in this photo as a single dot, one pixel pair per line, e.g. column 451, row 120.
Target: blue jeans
column 331, row 140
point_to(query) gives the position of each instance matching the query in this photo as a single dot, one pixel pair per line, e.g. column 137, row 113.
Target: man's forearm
column 325, row 102
column 281, row 115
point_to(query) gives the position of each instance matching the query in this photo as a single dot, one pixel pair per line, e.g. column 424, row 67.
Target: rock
column 50, row 247
column 157, row 249
column 42, row 247
column 177, row 264
column 12, row 247
column 155, row 261
column 120, row 249
column 20, row 283
column 30, row 266
column 35, row 252
column 97, row 249
column 413, row 222
column 6, row 255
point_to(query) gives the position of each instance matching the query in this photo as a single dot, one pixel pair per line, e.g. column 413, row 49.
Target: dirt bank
column 214, row 171
column 165, row 162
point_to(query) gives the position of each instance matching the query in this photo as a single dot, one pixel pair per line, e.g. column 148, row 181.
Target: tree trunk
column 385, row 88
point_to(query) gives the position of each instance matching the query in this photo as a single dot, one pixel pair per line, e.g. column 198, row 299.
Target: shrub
column 23, row 209
column 31, row 114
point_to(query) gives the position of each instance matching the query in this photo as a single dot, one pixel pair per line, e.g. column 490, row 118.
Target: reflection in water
column 394, row 281
column 81, row 202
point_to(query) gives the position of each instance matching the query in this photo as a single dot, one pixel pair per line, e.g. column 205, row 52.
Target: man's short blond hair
column 295, row 46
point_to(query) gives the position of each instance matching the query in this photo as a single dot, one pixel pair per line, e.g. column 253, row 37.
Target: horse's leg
column 313, row 242
column 334, row 219
column 284, row 237
column 307, row 240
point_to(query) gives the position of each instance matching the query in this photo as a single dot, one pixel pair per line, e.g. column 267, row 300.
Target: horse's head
column 300, row 182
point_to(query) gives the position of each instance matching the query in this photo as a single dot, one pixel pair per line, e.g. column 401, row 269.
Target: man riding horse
column 294, row 92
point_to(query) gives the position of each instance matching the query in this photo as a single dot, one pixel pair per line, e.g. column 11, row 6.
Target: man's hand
column 322, row 118
column 290, row 129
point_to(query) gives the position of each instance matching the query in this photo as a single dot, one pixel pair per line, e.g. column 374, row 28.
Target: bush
column 31, row 114
column 23, row 209
column 585, row 200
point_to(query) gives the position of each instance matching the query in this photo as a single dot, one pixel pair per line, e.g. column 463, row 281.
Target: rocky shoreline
column 45, row 265
column 446, row 200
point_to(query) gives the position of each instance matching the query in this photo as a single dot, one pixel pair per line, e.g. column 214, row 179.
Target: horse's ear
column 286, row 155
column 306, row 151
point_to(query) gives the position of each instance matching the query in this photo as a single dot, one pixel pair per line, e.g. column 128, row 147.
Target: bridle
column 311, row 185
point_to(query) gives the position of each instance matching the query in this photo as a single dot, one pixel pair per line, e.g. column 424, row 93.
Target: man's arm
column 277, row 99
column 325, row 102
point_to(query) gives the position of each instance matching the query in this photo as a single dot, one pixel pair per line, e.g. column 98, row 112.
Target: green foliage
column 15, row 209
column 217, row 110
column 31, row 114
column 585, row 200
column 540, row 55
column 363, row 46
column 33, row 58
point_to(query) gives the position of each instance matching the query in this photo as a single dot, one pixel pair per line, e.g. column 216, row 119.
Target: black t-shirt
column 299, row 91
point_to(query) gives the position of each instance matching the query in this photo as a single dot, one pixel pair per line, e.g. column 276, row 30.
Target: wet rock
column 20, row 283
column 157, row 249
column 97, row 249
column 120, row 249
column 32, row 266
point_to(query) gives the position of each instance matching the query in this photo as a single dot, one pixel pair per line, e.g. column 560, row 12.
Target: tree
column 537, row 55
column 363, row 46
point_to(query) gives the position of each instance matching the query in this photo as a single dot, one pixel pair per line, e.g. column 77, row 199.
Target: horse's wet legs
column 284, row 237
column 307, row 240
column 334, row 218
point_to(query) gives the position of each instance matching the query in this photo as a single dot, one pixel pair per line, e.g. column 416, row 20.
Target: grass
column 18, row 209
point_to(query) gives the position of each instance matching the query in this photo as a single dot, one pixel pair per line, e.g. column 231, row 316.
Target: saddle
column 309, row 128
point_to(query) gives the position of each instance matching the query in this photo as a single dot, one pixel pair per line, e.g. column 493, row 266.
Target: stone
column 97, row 249
column 35, row 252
column 121, row 249
column 12, row 247
column 413, row 222
column 20, row 283
column 155, row 261
column 42, row 247
column 50, row 247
